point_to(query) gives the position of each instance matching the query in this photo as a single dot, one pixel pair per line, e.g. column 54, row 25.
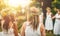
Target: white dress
column 4, row 33
column 57, row 25
column 9, row 33
column 48, row 22
column 29, row 31
column 41, row 18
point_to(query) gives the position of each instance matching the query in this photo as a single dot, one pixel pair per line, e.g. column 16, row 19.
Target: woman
column 57, row 23
column 15, row 27
column 33, row 27
column 6, row 27
column 9, row 27
column 49, row 21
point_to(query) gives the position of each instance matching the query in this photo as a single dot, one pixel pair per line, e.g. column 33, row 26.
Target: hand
column 58, row 18
column 41, row 3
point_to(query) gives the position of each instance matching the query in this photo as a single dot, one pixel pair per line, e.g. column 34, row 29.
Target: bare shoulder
column 24, row 24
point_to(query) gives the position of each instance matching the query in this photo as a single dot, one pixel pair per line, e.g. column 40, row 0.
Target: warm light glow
column 24, row 3
column 16, row 3
column 12, row 11
column 23, row 10
column 5, row 1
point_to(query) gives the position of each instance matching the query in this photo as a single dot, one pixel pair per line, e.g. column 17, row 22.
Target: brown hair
column 48, row 8
column 34, row 21
column 15, row 27
column 6, row 23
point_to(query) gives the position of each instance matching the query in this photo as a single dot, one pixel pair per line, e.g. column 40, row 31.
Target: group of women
column 33, row 26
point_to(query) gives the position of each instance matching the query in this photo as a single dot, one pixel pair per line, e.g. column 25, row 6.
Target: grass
column 49, row 34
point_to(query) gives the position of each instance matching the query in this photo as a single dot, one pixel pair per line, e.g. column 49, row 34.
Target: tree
column 2, row 5
column 56, row 4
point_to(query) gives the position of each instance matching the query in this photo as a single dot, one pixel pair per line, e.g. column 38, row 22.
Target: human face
column 48, row 10
column 58, row 10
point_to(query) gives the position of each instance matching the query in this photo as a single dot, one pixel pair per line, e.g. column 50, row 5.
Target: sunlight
column 16, row 3
column 24, row 3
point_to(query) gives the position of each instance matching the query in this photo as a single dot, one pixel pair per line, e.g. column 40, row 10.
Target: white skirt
column 5, row 34
column 57, row 28
column 49, row 24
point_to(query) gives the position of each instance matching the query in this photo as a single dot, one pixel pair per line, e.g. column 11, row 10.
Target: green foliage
column 20, row 23
column 2, row 5
column 56, row 3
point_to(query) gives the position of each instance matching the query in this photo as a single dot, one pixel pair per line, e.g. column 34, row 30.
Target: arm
column 15, row 27
column 58, row 18
column 42, row 16
column 2, row 24
column 41, row 3
column 23, row 30
column 53, row 17
column 42, row 30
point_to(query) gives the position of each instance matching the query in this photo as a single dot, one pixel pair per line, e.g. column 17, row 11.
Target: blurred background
column 20, row 9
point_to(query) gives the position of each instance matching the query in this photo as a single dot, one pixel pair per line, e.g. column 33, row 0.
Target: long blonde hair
column 34, row 21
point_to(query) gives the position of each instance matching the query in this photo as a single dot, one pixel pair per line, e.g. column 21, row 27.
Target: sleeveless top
column 10, row 32
column 57, row 16
column 30, row 32
column 48, row 15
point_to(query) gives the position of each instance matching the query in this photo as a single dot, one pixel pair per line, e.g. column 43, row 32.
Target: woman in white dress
column 7, row 18
column 49, row 22
column 33, row 27
column 57, row 23
column 14, row 22
column 6, row 30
